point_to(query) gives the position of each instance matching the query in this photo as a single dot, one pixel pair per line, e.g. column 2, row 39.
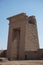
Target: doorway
column 16, row 39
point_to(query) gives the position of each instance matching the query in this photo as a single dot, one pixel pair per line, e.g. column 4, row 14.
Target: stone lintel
column 16, row 17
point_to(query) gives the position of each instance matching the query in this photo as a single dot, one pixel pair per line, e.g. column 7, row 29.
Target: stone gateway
column 23, row 36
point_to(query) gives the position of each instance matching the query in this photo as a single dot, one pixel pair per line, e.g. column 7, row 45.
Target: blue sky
column 12, row 7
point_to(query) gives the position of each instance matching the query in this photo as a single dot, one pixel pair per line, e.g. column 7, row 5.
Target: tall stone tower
column 22, row 36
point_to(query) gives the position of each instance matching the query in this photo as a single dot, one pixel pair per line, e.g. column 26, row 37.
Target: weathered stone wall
column 31, row 38
column 34, row 55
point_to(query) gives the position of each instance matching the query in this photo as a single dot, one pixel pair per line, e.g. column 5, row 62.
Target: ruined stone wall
column 34, row 55
column 3, row 53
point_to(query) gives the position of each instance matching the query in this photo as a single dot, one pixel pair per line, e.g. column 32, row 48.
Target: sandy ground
column 25, row 62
